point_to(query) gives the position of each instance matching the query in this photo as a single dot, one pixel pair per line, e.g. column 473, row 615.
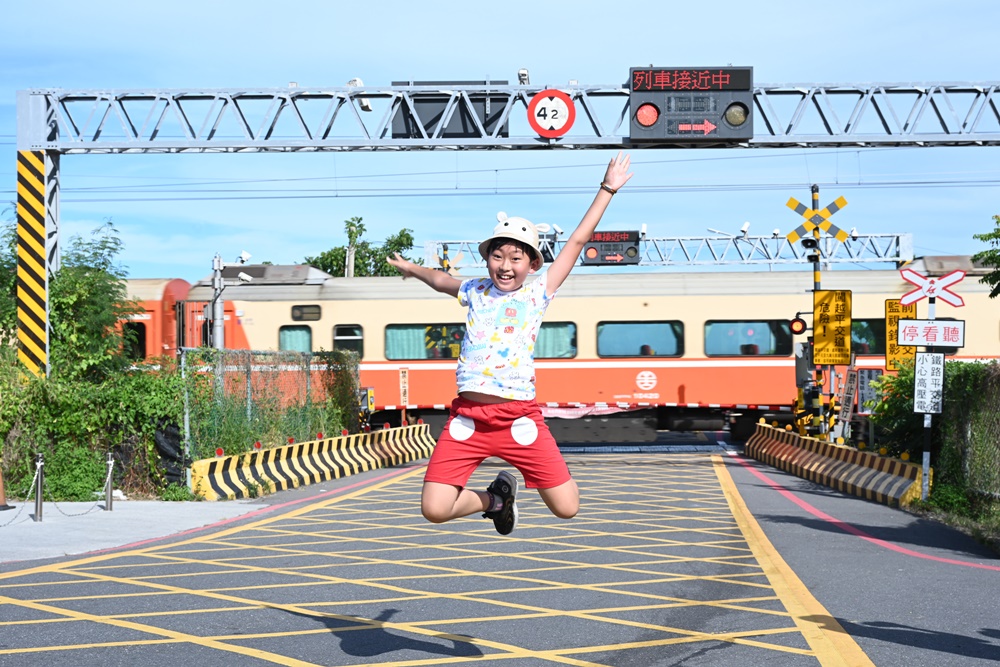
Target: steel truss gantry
column 738, row 250
column 335, row 119
column 54, row 122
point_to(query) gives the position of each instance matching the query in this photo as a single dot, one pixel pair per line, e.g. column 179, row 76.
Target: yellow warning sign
column 895, row 354
column 831, row 327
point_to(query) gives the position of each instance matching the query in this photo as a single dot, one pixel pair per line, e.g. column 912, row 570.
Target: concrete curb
column 289, row 466
column 888, row 481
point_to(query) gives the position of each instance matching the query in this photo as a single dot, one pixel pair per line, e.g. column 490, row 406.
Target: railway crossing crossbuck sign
column 932, row 287
column 814, row 219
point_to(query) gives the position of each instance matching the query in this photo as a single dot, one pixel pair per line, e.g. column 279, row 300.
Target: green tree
column 369, row 258
column 990, row 257
column 87, row 300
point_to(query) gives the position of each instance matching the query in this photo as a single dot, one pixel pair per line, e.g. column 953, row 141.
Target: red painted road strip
column 848, row 528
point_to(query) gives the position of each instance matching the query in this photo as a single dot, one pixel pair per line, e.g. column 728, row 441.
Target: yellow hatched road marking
column 646, row 549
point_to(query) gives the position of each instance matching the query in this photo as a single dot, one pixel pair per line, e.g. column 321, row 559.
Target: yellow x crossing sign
column 816, row 219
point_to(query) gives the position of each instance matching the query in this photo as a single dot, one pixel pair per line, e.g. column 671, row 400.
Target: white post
column 218, row 312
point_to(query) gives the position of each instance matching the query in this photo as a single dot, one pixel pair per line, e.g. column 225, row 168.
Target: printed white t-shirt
column 498, row 351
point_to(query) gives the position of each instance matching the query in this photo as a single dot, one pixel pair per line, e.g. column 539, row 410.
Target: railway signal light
column 694, row 106
column 612, row 248
column 797, row 325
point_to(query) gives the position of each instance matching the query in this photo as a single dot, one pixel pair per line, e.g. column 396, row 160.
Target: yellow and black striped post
column 32, row 269
column 819, row 423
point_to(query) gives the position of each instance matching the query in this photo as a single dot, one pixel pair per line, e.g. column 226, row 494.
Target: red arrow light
column 704, row 128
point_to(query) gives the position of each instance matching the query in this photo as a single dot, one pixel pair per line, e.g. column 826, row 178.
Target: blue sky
column 183, row 45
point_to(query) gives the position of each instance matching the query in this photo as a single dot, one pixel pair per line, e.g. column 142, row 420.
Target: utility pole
column 218, row 304
column 218, row 312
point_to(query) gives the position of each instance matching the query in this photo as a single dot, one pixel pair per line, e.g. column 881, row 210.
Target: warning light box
column 611, row 248
column 692, row 106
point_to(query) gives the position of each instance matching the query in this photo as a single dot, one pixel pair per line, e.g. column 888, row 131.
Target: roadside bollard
column 39, row 485
column 3, row 496
column 109, row 485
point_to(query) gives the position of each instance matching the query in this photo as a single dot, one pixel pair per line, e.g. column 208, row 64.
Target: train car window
column 295, row 338
column 640, row 339
column 556, row 340
column 423, row 341
column 135, row 340
column 349, row 337
column 868, row 336
column 309, row 313
column 733, row 338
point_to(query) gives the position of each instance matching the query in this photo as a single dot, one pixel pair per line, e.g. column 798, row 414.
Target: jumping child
column 495, row 413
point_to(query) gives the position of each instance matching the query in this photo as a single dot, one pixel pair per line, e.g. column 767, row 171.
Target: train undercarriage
column 645, row 425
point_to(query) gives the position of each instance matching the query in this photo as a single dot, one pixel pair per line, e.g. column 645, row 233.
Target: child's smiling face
column 509, row 266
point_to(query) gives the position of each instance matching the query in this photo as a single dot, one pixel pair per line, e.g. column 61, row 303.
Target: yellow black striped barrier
column 888, row 481
column 32, row 273
column 290, row 466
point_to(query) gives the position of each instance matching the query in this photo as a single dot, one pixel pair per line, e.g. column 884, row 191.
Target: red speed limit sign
column 551, row 113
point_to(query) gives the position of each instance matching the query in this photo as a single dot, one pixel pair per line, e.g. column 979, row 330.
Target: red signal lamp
column 798, row 325
column 647, row 114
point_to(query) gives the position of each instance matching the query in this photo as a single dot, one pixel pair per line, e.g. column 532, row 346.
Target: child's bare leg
column 562, row 500
column 444, row 502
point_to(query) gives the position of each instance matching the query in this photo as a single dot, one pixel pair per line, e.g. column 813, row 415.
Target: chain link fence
column 234, row 399
column 973, row 435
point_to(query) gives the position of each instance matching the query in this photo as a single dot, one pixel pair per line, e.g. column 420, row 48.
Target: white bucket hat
column 518, row 229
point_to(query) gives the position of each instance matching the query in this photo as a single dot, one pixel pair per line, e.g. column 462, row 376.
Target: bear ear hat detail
column 513, row 228
column 502, row 217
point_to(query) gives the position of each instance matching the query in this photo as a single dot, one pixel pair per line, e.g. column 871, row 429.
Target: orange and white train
column 674, row 350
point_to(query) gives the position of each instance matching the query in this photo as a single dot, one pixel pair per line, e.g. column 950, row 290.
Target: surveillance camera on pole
column 244, row 257
column 244, row 278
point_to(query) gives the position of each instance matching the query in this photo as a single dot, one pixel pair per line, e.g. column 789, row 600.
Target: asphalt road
column 685, row 558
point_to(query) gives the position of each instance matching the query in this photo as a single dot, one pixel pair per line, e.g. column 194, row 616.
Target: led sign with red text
column 692, row 79
column 614, row 237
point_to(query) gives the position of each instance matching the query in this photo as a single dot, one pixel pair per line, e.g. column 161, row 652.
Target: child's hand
column 402, row 264
column 617, row 174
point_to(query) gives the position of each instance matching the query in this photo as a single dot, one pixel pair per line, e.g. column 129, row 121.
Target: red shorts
column 514, row 432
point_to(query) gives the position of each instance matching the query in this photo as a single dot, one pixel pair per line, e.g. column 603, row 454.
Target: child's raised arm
column 615, row 177
column 439, row 280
